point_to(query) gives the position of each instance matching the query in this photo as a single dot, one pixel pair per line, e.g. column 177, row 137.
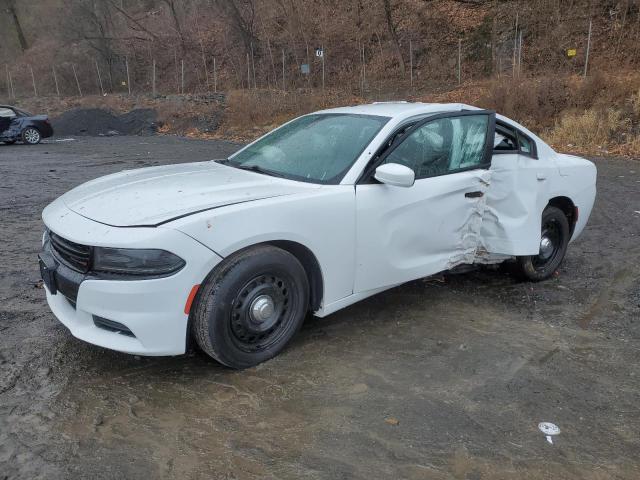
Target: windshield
column 317, row 148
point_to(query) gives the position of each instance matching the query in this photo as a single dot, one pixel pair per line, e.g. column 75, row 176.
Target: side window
column 7, row 112
column 505, row 139
column 509, row 140
column 442, row 146
column 525, row 145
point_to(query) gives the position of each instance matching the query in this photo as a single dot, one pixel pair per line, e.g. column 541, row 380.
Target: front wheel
column 554, row 240
column 31, row 136
column 248, row 308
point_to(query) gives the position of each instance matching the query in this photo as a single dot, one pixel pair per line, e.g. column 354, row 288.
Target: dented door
column 408, row 233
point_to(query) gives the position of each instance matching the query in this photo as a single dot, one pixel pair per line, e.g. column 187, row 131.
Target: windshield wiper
column 257, row 169
column 222, row 160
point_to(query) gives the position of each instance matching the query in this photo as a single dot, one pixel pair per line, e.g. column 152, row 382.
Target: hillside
column 525, row 58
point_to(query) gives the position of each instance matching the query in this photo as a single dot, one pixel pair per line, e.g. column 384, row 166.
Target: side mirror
column 395, row 174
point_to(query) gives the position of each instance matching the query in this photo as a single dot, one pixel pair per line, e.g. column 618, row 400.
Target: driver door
column 405, row 233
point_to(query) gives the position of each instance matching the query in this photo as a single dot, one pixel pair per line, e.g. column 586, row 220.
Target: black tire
column 31, row 136
column 231, row 320
column 555, row 237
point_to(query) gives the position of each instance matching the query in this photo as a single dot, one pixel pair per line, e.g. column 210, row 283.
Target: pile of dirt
column 98, row 122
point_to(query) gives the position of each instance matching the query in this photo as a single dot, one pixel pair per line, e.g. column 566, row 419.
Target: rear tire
column 31, row 136
column 554, row 240
column 250, row 306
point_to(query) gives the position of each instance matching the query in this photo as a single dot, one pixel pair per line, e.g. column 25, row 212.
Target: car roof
column 400, row 109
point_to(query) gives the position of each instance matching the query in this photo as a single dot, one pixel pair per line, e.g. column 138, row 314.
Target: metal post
column 10, row 91
column 75, row 74
column 410, row 63
column 33, row 80
column 515, row 47
column 253, row 66
column 99, row 77
column 153, row 78
column 586, row 61
column 459, row 61
column 55, row 79
column 204, row 64
column 248, row 73
column 364, row 69
column 215, row 76
column 182, row 77
column 126, row 62
column 283, row 82
column 323, row 54
column 520, row 55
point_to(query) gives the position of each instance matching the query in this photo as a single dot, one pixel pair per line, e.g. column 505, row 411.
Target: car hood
column 156, row 195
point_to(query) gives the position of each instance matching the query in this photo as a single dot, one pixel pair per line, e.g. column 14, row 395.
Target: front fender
column 323, row 221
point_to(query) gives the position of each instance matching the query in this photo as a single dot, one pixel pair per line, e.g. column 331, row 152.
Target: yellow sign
column 572, row 52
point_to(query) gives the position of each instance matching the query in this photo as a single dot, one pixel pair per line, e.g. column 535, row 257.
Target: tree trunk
column 392, row 32
column 16, row 23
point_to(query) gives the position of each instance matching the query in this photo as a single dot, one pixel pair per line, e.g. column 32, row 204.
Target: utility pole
column 586, row 61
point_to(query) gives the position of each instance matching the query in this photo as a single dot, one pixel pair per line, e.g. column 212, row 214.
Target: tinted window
column 317, row 148
column 444, row 146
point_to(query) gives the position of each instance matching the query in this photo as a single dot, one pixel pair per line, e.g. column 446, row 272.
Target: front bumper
column 153, row 310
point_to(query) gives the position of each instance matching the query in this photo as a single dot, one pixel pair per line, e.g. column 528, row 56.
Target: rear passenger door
column 511, row 223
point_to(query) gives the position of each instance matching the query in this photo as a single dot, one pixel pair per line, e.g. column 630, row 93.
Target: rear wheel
column 554, row 240
column 31, row 136
column 249, row 308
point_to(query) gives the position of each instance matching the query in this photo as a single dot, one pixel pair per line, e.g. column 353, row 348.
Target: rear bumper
column 46, row 130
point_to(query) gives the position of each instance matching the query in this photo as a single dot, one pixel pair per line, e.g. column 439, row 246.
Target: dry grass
column 592, row 130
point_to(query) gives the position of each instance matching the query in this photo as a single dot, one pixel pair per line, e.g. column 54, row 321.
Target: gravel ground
column 437, row 379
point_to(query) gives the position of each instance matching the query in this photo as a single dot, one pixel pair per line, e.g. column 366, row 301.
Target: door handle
column 541, row 176
column 477, row 194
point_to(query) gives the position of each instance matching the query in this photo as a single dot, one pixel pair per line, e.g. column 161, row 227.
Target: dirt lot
column 445, row 378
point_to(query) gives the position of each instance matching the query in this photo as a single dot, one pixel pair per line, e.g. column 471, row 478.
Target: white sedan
column 320, row 213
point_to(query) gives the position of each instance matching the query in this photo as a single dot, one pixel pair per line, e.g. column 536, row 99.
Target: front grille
column 74, row 255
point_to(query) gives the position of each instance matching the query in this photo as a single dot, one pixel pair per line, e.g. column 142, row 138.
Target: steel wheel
column 250, row 306
column 261, row 313
column 31, row 136
column 550, row 244
column 554, row 239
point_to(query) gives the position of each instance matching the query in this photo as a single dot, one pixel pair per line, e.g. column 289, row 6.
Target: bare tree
column 392, row 33
column 10, row 8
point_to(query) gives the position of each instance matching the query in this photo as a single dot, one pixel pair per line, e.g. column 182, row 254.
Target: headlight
column 134, row 261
